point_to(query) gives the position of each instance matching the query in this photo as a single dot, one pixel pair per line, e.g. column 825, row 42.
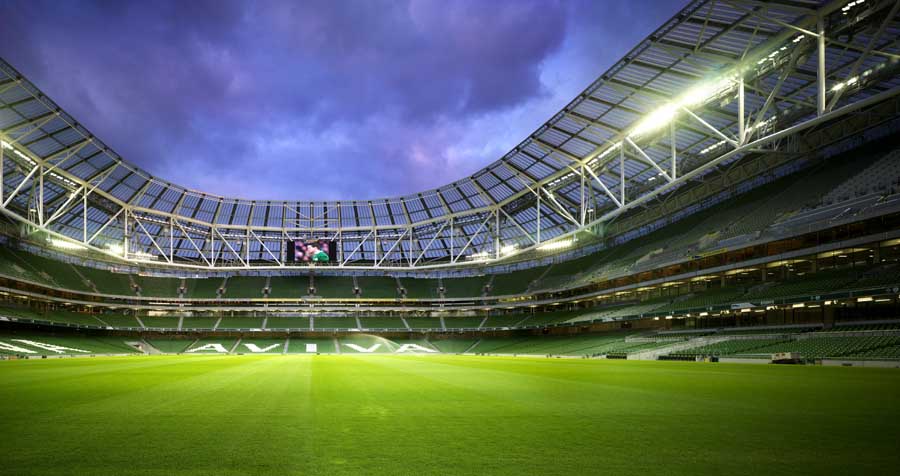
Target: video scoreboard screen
column 312, row 251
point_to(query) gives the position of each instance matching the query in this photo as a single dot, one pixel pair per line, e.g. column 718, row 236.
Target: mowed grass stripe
column 386, row 414
column 187, row 415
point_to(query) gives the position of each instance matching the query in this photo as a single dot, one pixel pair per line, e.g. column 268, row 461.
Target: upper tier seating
column 281, row 323
column 333, row 286
column 371, row 322
column 378, row 287
column 109, row 282
column 516, row 282
column 424, row 322
column 240, row 323
column 199, row 322
column 151, row 286
column 163, row 322
column 881, row 177
column 471, row 287
column 505, row 321
column 288, row 286
column 462, row 322
column 203, row 288
column 238, row 287
column 330, row 322
column 420, row 288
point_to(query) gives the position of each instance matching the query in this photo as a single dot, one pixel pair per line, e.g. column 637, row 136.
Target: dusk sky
column 318, row 100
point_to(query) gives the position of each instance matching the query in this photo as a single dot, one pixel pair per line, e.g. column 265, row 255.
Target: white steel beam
column 228, row 245
column 193, row 243
column 150, row 237
column 648, row 159
column 820, row 70
column 21, row 184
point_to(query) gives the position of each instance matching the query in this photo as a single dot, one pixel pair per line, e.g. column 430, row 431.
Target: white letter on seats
column 362, row 349
column 216, row 347
column 255, row 348
column 414, row 348
column 52, row 348
column 312, row 347
column 13, row 348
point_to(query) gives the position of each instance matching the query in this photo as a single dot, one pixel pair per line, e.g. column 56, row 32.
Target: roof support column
column 496, row 234
column 411, row 242
column 582, row 198
column 340, row 237
column 452, row 260
column 125, row 232
column 2, row 165
column 622, row 175
column 40, row 197
column 84, row 210
column 172, row 238
column 820, row 103
column 741, row 127
column 672, row 146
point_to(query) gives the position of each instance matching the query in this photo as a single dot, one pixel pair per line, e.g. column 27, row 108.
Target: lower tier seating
column 877, row 345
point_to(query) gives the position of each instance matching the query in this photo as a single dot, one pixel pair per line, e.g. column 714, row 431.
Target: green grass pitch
column 442, row 415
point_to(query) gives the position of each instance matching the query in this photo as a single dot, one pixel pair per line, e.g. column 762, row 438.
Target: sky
column 318, row 100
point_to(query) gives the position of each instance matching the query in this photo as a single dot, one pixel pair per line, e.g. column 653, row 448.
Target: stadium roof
column 610, row 146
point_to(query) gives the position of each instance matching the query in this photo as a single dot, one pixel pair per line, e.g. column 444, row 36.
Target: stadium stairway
column 653, row 354
column 147, row 348
column 235, row 346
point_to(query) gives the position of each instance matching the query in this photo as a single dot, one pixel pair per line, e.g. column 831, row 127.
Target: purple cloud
column 317, row 100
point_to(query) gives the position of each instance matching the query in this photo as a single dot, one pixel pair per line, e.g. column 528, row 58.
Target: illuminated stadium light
column 854, row 80
column 7, row 145
column 65, row 245
column 481, row 255
column 505, row 250
column 655, row 120
column 850, row 5
column 142, row 255
column 761, row 125
column 115, row 248
column 864, row 299
column 706, row 91
column 798, row 305
column 693, row 97
column 556, row 245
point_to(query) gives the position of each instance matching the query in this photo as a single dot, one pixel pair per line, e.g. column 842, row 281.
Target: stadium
column 608, row 297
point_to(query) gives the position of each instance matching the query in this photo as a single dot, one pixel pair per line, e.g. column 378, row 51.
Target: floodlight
column 65, row 245
column 654, row 120
column 556, row 245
